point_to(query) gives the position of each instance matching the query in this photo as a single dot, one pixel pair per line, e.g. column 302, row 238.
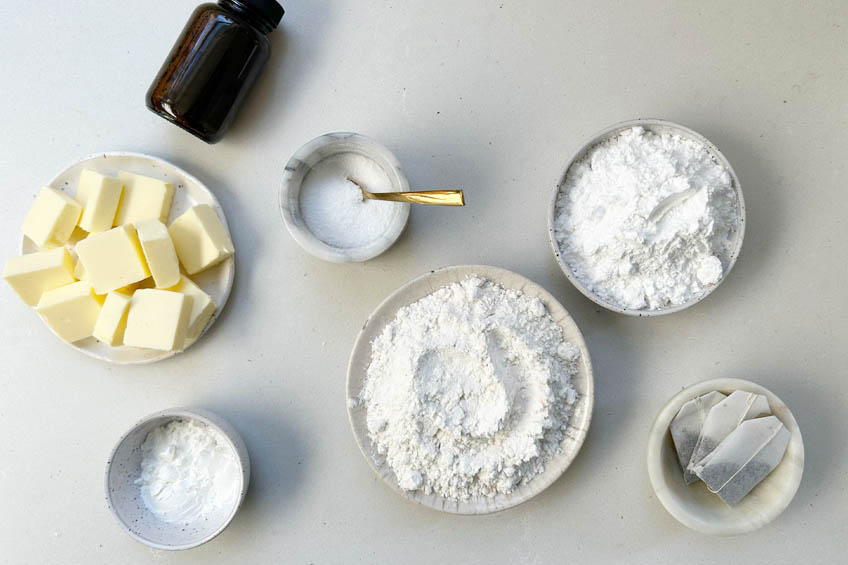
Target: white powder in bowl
column 188, row 472
column 333, row 208
column 469, row 392
column 647, row 220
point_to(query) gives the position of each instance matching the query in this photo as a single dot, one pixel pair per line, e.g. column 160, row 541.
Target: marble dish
column 299, row 166
column 217, row 281
column 124, row 499
column 660, row 127
column 416, row 289
column 694, row 505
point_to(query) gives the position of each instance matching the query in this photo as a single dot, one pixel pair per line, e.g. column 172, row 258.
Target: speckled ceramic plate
column 694, row 505
column 188, row 192
column 416, row 289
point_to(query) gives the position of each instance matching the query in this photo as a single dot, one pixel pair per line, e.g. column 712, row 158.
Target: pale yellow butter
column 35, row 273
column 202, row 307
column 158, row 319
column 200, row 238
column 143, row 198
column 79, row 271
column 113, row 258
column 52, row 218
column 71, row 310
column 112, row 320
column 159, row 252
column 99, row 196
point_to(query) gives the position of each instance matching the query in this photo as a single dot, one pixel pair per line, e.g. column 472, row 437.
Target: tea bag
column 686, row 427
column 722, row 419
column 744, row 458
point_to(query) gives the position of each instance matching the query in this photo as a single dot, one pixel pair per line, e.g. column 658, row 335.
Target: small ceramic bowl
column 659, row 127
column 694, row 505
column 124, row 497
column 310, row 155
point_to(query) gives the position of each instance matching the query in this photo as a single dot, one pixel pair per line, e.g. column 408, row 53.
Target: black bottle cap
column 268, row 9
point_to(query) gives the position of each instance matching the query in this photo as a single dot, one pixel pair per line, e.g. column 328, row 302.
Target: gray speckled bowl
column 660, row 127
column 311, row 154
column 124, row 498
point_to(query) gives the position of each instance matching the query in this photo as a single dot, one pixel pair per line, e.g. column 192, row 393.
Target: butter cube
column 79, row 271
column 113, row 258
column 144, row 198
column 35, row 273
column 70, row 310
column 112, row 320
column 159, row 252
column 200, row 238
column 52, row 218
column 99, row 196
column 202, row 306
column 158, row 319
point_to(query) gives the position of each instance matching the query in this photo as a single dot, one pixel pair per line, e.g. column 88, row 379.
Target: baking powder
column 187, row 472
column 646, row 220
column 469, row 392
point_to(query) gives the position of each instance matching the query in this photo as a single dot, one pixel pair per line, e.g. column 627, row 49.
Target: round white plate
column 418, row 288
column 188, row 191
column 694, row 505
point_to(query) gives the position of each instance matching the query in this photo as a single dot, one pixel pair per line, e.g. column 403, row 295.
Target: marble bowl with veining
column 694, row 505
column 123, row 495
column 658, row 127
column 310, row 155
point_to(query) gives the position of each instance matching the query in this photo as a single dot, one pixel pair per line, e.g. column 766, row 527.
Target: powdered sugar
column 646, row 220
column 468, row 392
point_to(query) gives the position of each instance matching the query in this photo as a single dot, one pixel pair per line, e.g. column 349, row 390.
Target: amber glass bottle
column 213, row 64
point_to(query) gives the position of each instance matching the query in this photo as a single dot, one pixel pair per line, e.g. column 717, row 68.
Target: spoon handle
column 434, row 197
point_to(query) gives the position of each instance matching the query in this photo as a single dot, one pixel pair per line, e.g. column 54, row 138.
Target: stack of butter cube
column 730, row 442
column 126, row 286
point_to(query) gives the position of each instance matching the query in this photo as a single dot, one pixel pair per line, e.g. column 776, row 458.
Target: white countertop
column 491, row 97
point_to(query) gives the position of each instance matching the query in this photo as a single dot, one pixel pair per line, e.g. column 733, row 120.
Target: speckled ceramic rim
column 310, row 154
column 657, row 126
column 212, row 420
column 578, row 424
column 697, row 508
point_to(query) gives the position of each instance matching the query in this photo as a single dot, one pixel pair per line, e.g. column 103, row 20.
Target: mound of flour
column 646, row 220
column 469, row 390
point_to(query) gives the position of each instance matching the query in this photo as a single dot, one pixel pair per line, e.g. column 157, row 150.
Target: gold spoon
column 435, row 197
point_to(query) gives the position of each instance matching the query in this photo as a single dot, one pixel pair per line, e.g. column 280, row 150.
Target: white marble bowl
column 659, row 127
column 694, row 505
column 124, row 498
column 310, row 155
column 217, row 281
column 420, row 287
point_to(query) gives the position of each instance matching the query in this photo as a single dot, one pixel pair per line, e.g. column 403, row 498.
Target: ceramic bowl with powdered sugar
column 470, row 390
column 648, row 218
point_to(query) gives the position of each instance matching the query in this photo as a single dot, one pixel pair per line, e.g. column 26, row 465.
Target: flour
column 333, row 208
column 187, row 472
column 469, row 392
column 646, row 221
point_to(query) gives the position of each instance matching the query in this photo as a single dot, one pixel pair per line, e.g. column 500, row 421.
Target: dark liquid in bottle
column 210, row 70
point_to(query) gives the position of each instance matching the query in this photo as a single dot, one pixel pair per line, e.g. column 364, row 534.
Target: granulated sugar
column 646, row 221
column 469, row 390
column 333, row 208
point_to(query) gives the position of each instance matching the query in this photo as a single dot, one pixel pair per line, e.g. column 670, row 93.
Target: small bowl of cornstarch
column 648, row 218
column 177, row 478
